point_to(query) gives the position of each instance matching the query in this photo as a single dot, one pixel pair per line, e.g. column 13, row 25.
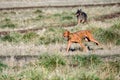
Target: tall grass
column 29, row 36
column 16, row 37
column 90, row 60
column 112, row 67
column 110, row 35
column 52, row 35
column 57, row 67
column 51, row 61
column 116, row 29
column 12, row 37
column 85, row 76
column 2, row 66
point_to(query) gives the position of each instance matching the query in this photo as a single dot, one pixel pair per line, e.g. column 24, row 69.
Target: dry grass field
column 47, row 42
column 52, row 22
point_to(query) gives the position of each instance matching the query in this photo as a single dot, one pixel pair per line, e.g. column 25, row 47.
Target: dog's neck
column 70, row 35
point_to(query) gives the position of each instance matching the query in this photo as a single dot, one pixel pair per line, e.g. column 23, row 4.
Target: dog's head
column 78, row 12
column 66, row 34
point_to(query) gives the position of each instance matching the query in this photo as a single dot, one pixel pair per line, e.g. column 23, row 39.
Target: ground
column 27, row 34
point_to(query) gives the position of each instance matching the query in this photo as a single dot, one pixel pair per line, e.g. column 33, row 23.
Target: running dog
column 77, row 37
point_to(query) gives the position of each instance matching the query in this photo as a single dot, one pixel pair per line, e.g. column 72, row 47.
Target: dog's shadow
column 79, row 49
column 75, row 49
column 71, row 49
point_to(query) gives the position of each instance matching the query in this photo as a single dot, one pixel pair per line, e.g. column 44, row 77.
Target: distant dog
column 77, row 37
column 81, row 16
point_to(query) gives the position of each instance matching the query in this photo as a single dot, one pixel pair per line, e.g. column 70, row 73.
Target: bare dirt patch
column 47, row 4
column 108, row 16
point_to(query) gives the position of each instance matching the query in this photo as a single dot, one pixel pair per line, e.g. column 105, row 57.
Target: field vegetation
column 53, row 62
column 50, row 17
column 58, row 67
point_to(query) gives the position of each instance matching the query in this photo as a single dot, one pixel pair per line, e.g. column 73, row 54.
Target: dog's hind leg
column 93, row 40
column 83, row 47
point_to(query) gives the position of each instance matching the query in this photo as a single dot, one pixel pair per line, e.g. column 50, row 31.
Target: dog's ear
column 67, row 31
column 80, row 10
column 77, row 11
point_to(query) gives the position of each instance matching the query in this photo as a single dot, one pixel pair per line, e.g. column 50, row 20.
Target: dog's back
column 83, row 33
column 83, row 16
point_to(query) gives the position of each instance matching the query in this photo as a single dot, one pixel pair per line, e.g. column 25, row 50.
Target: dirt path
column 108, row 16
column 53, row 4
column 22, row 54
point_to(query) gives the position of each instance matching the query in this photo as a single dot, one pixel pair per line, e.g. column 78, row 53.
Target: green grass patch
column 111, row 67
column 7, row 77
column 7, row 23
column 2, row 66
column 38, row 11
column 57, row 67
column 12, row 37
column 90, row 60
column 116, row 26
column 18, row 37
column 52, row 35
column 49, row 39
column 57, row 15
column 106, row 36
column 29, row 36
column 110, row 35
column 85, row 76
column 67, row 18
column 51, row 61
column 39, row 17
column 33, row 74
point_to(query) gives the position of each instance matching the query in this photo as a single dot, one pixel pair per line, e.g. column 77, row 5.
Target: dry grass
column 58, row 67
column 51, row 17
column 50, row 41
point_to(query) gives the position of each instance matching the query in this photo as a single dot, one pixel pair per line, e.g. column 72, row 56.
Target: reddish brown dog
column 77, row 37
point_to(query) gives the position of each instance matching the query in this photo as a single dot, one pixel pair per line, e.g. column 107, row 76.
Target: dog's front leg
column 78, row 21
column 68, row 46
